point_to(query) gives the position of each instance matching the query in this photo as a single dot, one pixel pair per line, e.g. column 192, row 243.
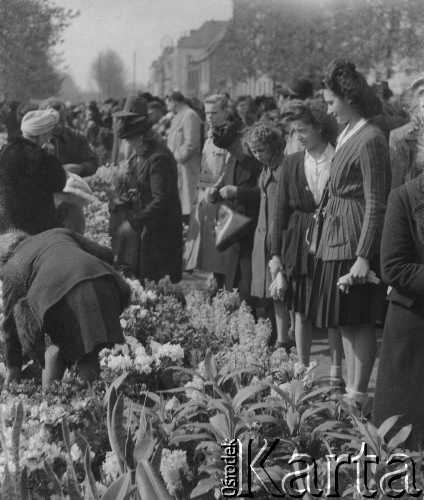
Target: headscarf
column 39, row 122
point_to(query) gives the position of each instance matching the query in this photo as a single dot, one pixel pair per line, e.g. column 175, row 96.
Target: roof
column 206, row 35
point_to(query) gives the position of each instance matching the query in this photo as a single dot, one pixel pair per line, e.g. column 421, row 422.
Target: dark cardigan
column 28, row 179
column 293, row 216
column 359, row 185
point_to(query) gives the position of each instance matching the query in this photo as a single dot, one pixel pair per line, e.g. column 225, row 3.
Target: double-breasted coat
column 184, row 142
column 400, row 377
column 200, row 252
column 261, row 255
column 156, row 214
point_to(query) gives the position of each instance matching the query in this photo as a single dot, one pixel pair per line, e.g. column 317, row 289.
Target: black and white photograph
column 211, row 249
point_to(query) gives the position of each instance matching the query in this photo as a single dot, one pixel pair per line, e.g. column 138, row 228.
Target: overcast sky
column 128, row 25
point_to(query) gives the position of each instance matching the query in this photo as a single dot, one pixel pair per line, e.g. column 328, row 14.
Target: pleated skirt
column 86, row 319
column 328, row 307
column 298, row 293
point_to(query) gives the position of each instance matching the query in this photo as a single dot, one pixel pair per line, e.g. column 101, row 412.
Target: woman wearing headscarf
column 60, row 284
column 149, row 240
column 30, row 175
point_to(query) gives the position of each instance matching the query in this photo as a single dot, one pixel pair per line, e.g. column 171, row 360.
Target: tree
column 108, row 71
column 30, row 31
column 283, row 38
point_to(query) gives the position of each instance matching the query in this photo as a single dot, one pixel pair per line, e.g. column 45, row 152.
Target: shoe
column 285, row 345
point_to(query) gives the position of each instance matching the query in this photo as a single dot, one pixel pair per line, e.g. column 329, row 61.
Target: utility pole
column 134, row 71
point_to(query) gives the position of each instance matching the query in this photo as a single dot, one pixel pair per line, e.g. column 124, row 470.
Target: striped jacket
column 359, row 185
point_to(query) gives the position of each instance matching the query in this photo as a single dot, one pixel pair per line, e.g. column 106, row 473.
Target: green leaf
column 116, row 430
column 145, row 488
column 16, row 434
column 145, row 443
column 400, row 437
column 115, row 386
column 387, row 425
column 113, row 491
column 245, row 394
column 66, row 434
column 24, row 487
column 221, row 427
column 72, row 482
column 184, row 438
column 205, row 485
column 210, row 365
column 8, row 487
column 156, row 481
column 57, row 487
column 129, row 451
column 312, row 394
column 90, row 482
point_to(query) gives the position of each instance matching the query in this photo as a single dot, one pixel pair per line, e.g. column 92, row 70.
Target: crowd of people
column 329, row 180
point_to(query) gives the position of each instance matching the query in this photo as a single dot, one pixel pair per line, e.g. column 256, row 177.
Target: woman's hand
column 228, row 192
column 359, row 271
column 13, row 374
column 275, row 265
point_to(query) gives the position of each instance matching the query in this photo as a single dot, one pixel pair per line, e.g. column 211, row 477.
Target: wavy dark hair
column 314, row 112
column 347, row 83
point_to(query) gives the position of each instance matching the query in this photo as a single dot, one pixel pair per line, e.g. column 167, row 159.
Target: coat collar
column 269, row 170
column 415, row 189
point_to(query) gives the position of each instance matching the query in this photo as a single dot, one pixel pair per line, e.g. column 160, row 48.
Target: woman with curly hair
column 266, row 145
column 299, row 192
column 358, row 186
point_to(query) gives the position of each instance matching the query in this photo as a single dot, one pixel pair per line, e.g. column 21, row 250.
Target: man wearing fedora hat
column 184, row 142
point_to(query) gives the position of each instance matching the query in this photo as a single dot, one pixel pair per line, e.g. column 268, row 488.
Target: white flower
column 76, row 454
column 194, row 389
column 173, row 351
column 110, row 467
column 172, row 464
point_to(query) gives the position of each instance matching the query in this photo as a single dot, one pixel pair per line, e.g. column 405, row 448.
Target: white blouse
column 318, row 171
column 345, row 135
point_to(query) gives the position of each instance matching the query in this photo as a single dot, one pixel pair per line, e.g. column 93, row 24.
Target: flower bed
column 193, row 373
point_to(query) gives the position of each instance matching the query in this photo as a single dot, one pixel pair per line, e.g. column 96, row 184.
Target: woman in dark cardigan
column 358, row 188
column 59, row 283
column 299, row 192
column 400, row 377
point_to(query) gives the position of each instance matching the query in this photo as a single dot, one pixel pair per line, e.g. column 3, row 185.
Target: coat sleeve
column 47, row 174
column 282, row 210
column 397, row 261
column 160, row 186
column 12, row 292
column 398, row 159
column 375, row 168
column 191, row 141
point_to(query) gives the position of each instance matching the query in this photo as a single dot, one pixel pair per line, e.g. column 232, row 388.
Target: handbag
column 229, row 227
column 313, row 234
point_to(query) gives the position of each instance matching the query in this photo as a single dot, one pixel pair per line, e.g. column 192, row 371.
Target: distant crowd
column 308, row 202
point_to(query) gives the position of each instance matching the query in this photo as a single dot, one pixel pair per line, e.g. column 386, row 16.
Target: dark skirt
column 328, row 307
column 86, row 319
column 299, row 288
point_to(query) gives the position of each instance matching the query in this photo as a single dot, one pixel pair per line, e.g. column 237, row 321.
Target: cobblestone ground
column 320, row 350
